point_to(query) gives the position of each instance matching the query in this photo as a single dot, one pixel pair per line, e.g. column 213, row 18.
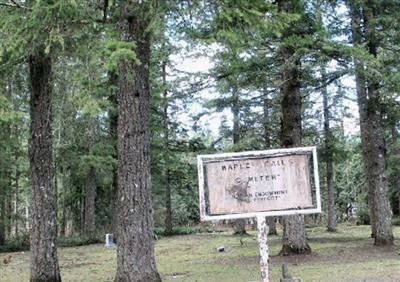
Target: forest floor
column 347, row 256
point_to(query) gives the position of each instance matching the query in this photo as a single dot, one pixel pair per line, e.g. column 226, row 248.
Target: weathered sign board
column 259, row 184
column 273, row 183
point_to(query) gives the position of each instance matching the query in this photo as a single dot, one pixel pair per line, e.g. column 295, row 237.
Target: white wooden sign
column 259, row 184
column 268, row 183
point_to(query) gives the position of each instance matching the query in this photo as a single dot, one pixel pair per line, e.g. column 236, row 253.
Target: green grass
column 347, row 255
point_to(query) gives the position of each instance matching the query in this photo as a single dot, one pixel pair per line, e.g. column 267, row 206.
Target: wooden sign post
column 259, row 184
column 263, row 229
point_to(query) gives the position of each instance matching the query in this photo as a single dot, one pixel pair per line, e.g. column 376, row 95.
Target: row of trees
column 91, row 89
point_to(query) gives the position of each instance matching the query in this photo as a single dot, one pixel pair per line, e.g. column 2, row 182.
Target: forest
column 106, row 104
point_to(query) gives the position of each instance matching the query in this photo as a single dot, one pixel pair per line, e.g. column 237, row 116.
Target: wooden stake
column 263, row 245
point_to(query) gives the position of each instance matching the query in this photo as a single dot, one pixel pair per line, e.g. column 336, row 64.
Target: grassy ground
column 344, row 256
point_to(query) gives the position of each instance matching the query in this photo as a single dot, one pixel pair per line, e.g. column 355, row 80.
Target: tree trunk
column 372, row 132
column 167, row 172
column 267, row 105
column 65, row 185
column 239, row 225
column 135, row 251
column 294, row 235
column 44, row 261
column 168, row 207
column 17, row 177
column 90, row 204
column 328, row 157
column 9, row 205
column 236, row 117
column 113, row 80
column 396, row 150
column 357, row 35
column 27, row 223
column 2, row 214
column 90, row 187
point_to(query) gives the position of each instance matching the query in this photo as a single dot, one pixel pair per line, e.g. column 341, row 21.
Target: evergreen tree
column 365, row 23
column 135, row 259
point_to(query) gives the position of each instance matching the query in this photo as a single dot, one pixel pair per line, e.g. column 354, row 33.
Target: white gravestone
column 109, row 241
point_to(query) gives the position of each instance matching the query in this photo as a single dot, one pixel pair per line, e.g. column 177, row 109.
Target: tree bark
column 44, row 261
column 135, row 251
column 328, row 157
column 294, row 235
column 372, row 132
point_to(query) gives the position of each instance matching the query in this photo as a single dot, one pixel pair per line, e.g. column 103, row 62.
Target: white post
column 263, row 245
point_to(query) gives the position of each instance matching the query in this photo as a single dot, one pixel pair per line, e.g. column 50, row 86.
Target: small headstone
column 221, row 249
column 287, row 277
column 109, row 241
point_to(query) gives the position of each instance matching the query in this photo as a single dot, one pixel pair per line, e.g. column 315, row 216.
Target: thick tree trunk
column 135, row 251
column 328, row 157
column 90, row 204
column 372, row 132
column 294, row 234
column 44, row 261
